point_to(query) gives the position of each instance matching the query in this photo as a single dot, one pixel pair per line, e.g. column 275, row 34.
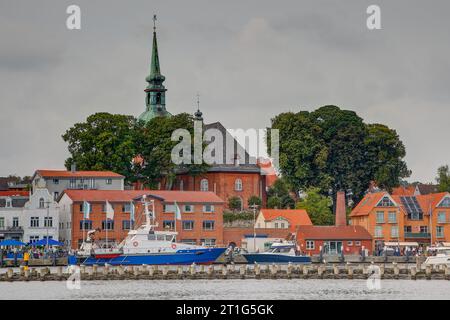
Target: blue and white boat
column 279, row 252
column 145, row 245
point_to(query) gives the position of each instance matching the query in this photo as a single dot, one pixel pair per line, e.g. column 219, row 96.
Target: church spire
column 155, row 92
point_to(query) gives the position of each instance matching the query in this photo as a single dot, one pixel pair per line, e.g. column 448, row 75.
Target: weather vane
column 154, row 22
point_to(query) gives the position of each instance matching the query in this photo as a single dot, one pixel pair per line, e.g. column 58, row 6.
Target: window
column 394, row 232
column 168, row 208
column 41, row 203
column 189, row 241
column 188, row 208
column 441, row 217
column 8, row 203
column 2, row 222
column 423, row 229
column 34, row 222
column 55, row 181
column 385, row 202
column 208, row 208
column 408, row 229
column 204, row 185
column 378, row 231
column 392, row 217
column 72, row 183
column 310, row 245
column 108, row 224
column 169, row 224
column 126, row 207
column 85, row 224
column 55, row 195
column 34, row 239
column 82, row 208
column 358, row 243
column 108, row 181
column 440, row 231
column 208, row 225
column 127, row 225
column 208, row 242
column 15, row 222
column 380, row 216
column 445, row 203
column 188, row 225
column 282, row 226
column 276, row 225
column 238, row 185
column 349, row 243
column 48, row 222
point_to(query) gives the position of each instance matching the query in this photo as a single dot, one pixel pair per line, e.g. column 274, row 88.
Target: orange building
column 201, row 215
column 404, row 218
column 289, row 219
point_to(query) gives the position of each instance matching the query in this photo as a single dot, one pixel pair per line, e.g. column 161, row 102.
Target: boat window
column 151, row 237
column 161, row 237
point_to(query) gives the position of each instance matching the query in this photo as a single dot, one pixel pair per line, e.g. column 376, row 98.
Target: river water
column 229, row 289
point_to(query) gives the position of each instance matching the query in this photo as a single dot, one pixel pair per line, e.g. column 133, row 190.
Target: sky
column 248, row 60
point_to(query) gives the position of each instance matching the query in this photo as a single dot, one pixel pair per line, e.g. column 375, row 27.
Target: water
column 228, row 289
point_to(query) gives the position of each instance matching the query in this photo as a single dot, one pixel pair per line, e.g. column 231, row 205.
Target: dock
column 204, row 272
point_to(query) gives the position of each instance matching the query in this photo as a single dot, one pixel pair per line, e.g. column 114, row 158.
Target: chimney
column 340, row 216
column 73, row 167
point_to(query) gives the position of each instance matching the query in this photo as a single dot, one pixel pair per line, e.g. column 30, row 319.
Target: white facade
column 40, row 217
column 277, row 223
column 65, row 219
column 11, row 217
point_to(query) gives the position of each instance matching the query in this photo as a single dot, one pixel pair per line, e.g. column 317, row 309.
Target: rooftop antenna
column 154, row 23
column 198, row 101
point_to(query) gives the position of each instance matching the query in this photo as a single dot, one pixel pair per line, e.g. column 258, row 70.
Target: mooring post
column 42, row 273
column 242, row 271
column 210, row 270
column 289, row 270
column 10, row 273
column 335, row 269
column 413, row 272
column 59, row 272
column 224, row 271
column 447, row 272
column 26, row 274
column 428, row 271
column 151, row 271
column 180, row 271
column 349, row 272
column 320, row 271
column 21, row 270
column 396, row 269
column 165, row 271
column 257, row 270
column 106, row 269
column 192, row 269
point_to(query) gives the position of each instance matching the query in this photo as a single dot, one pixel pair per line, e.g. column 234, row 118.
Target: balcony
column 417, row 235
column 11, row 230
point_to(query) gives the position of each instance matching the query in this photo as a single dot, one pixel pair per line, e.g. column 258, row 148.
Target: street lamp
column 254, row 207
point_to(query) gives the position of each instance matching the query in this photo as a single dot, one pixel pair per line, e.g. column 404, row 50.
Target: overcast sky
column 250, row 60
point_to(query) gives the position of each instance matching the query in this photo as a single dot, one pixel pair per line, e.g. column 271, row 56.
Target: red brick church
column 242, row 178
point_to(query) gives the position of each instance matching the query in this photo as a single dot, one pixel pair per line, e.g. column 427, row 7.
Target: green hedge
column 233, row 216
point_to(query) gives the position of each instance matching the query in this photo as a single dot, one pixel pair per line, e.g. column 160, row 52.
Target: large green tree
column 318, row 207
column 278, row 195
column 103, row 142
column 333, row 149
column 443, row 178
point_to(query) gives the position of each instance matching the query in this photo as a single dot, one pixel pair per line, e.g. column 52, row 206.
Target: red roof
column 404, row 191
column 11, row 193
column 76, row 174
column 128, row 195
column 369, row 201
column 296, row 217
column 333, row 233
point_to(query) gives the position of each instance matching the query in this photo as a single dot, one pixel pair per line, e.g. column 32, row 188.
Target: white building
column 29, row 218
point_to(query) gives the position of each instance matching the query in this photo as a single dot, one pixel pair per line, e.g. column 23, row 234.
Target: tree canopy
column 333, row 149
column 317, row 206
column 443, row 178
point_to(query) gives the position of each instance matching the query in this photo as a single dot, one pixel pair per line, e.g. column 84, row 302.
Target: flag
column 109, row 211
column 177, row 212
column 131, row 211
column 86, row 209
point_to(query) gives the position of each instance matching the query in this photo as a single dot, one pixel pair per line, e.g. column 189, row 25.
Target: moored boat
column 145, row 245
column 279, row 252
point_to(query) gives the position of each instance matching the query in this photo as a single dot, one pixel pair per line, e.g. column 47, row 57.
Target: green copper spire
column 155, row 97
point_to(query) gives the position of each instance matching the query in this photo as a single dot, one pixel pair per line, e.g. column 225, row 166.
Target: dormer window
column 385, row 202
column 445, row 203
column 8, row 203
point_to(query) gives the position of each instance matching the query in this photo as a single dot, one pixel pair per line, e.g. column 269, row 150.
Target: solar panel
column 412, row 207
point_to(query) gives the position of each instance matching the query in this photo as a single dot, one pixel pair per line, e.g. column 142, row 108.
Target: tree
column 278, row 195
column 443, row 178
column 234, row 203
column 103, row 142
column 317, row 206
column 333, row 149
column 254, row 200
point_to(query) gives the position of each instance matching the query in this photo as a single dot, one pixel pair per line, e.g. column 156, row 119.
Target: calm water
column 229, row 289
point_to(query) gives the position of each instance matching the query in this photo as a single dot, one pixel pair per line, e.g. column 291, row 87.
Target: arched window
column 238, row 185
column 8, row 203
column 204, row 185
column 41, row 203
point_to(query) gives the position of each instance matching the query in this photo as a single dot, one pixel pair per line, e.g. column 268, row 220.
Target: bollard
column 210, row 271
column 91, row 271
column 165, row 271
column 428, row 272
column 151, row 271
column 144, row 269
column 224, row 271
column 42, row 273
column 396, row 269
column 120, row 270
column 94, row 269
column 335, row 270
column 242, row 271
column 447, row 272
column 289, row 270
column 413, row 273
column 350, row 272
column 106, row 269
column 180, row 271
column 257, row 270
column 305, row 270
column 192, row 270
column 26, row 274
column 21, row 270
column 10, row 273
column 202, row 269
column 59, row 272
column 136, row 271
column 320, row 271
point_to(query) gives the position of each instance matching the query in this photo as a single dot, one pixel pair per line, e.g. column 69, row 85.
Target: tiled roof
column 404, row 191
column 76, row 174
column 296, row 217
column 369, row 201
column 129, row 195
column 11, row 193
column 333, row 233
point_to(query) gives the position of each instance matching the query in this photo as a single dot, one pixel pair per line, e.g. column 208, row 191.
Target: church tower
column 155, row 92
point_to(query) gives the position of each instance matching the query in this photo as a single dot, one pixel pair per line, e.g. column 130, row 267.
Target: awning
column 11, row 242
column 401, row 244
column 44, row 242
